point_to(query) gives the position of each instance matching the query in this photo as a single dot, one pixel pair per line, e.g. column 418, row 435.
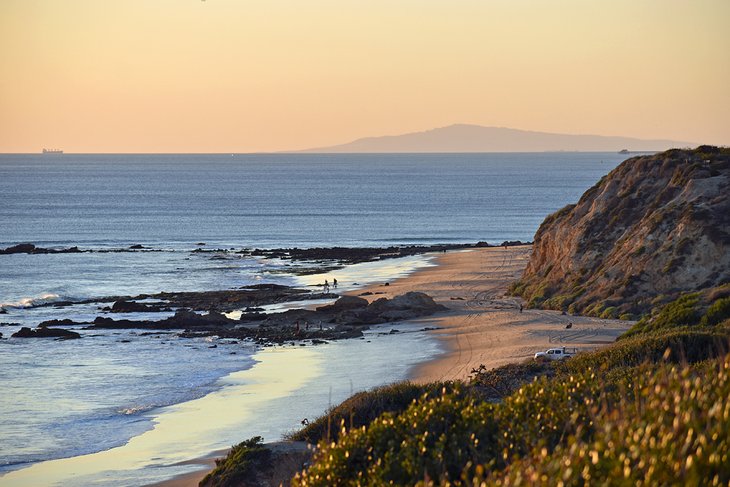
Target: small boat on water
column 52, row 151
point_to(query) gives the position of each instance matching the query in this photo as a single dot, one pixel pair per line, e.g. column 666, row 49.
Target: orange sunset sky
column 245, row 76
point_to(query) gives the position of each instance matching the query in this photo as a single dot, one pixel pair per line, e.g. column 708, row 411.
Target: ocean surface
column 69, row 398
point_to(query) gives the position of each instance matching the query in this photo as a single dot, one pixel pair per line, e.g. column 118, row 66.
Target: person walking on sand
column 326, row 287
column 334, row 283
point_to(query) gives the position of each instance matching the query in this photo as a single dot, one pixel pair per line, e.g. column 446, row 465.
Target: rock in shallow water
column 44, row 332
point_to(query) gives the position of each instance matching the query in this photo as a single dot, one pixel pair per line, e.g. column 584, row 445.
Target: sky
column 270, row 75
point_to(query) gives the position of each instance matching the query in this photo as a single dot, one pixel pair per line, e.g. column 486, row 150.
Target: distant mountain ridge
column 476, row 138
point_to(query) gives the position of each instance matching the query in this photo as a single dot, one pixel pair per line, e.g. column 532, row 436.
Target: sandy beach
column 484, row 324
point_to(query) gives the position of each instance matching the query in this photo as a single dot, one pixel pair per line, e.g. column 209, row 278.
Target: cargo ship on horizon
column 52, row 151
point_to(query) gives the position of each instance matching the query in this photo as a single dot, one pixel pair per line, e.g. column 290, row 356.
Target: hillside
column 475, row 138
column 653, row 228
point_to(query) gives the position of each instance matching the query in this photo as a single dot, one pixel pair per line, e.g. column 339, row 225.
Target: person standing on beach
column 334, row 283
column 326, row 287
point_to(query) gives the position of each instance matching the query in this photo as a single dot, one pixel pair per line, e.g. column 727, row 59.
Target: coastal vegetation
column 242, row 464
column 364, row 407
column 648, row 410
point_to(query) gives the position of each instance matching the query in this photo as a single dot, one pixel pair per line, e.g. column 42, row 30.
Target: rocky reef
column 345, row 318
column 655, row 227
column 29, row 248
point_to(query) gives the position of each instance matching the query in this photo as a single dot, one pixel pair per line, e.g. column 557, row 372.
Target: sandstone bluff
column 655, row 227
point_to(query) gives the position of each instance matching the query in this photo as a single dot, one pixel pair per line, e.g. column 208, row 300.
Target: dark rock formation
column 124, row 306
column 404, row 307
column 28, row 248
column 181, row 320
column 343, row 304
column 64, row 322
column 250, row 297
column 656, row 226
column 353, row 255
column 25, row 248
column 44, row 332
column 351, row 310
column 343, row 319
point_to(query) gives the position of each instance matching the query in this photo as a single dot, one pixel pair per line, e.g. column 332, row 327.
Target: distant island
column 475, row 138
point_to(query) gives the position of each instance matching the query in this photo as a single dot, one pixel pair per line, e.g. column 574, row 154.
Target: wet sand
column 484, row 324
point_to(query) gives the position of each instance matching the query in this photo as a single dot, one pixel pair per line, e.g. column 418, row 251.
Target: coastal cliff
column 655, row 227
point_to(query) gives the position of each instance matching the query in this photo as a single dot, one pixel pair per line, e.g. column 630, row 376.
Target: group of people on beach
column 326, row 285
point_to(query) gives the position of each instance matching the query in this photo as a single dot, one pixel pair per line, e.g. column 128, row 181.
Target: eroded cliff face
column 654, row 227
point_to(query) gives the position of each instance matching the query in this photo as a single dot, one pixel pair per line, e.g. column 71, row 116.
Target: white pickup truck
column 556, row 353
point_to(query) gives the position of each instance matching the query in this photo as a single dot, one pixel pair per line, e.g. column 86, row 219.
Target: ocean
column 70, row 398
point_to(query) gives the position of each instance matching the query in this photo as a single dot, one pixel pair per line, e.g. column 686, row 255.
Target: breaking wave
column 32, row 301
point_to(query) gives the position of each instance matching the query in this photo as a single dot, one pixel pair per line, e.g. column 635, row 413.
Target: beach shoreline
column 483, row 326
column 286, row 385
column 331, row 374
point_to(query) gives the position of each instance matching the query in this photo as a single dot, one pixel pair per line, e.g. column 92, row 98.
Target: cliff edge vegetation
column 654, row 228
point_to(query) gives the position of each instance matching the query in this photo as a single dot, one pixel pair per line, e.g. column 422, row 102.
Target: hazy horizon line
column 327, row 149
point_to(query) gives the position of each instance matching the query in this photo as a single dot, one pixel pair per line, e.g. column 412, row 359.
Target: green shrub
column 666, row 412
column 718, row 312
column 675, row 429
column 502, row 381
column 517, row 288
column 434, row 437
column 685, row 345
column 562, row 301
column 609, row 313
column 439, row 438
column 681, row 311
column 238, row 467
column 364, row 407
column 537, row 296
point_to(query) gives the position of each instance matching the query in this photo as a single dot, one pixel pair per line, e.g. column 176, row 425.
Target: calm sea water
column 279, row 200
column 67, row 398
